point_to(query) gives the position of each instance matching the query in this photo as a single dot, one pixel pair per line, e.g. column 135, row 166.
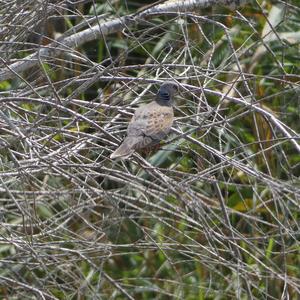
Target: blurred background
column 213, row 214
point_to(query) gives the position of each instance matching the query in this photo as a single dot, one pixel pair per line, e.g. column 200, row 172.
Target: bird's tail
column 126, row 148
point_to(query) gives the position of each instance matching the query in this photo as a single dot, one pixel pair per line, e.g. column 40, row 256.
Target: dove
column 151, row 122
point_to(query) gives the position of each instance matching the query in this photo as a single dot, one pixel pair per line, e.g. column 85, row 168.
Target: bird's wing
column 151, row 120
column 138, row 122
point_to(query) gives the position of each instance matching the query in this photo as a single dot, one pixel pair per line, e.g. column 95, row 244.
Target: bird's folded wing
column 152, row 120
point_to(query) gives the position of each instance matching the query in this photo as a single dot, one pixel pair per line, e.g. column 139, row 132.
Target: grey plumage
column 150, row 123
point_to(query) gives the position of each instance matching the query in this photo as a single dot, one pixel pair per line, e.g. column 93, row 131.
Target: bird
column 150, row 123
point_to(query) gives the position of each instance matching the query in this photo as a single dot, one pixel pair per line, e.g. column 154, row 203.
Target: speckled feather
column 150, row 123
column 152, row 120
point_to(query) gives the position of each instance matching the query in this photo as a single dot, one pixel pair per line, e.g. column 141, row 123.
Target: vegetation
column 212, row 214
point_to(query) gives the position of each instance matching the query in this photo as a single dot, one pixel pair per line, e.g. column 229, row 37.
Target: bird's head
column 166, row 92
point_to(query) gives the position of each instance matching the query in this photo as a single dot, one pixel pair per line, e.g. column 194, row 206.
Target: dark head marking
column 166, row 92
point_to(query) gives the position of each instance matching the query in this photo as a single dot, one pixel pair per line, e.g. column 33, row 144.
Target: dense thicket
column 213, row 214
